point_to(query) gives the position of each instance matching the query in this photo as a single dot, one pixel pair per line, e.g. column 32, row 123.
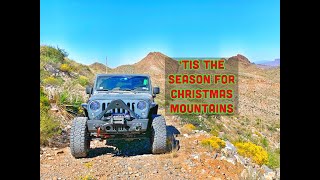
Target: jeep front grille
column 119, row 110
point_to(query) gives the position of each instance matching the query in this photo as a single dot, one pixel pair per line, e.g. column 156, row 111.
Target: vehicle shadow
column 98, row 151
column 136, row 147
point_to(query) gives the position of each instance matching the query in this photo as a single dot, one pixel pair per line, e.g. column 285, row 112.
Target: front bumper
column 135, row 126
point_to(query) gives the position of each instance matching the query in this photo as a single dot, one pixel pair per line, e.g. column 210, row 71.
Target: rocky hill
column 98, row 68
column 239, row 60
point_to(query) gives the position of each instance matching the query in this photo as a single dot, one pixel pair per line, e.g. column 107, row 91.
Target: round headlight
column 141, row 105
column 94, row 105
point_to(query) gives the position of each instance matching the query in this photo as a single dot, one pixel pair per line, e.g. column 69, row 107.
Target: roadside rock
column 269, row 175
column 266, row 169
column 190, row 163
column 195, row 156
column 231, row 160
column 51, row 69
column 230, row 147
column 278, row 173
column 244, row 174
column 185, row 135
column 240, row 159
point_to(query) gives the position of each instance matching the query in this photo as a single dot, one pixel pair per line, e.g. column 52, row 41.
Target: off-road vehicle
column 120, row 107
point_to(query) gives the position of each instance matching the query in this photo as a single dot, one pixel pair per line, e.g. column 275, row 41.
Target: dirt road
column 191, row 161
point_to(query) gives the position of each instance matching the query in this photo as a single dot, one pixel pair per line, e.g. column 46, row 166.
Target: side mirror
column 156, row 90
column 88, row 89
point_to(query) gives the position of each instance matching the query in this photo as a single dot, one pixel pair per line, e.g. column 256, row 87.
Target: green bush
column 65, row 98
column 216, row 129
column 273, row 159
column 43, row 73
column 52, row 81
column 264, row 142
column 44, row 100
column 65, row 68
column 83, row 80
column 44, row 59
column 48, row 127
column 50, row 53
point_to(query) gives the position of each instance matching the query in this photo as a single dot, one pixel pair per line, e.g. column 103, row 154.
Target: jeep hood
column 117, row 95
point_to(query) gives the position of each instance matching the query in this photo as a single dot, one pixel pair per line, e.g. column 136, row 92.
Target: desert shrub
column 52, row 54
column 161, row 103
column 216, row 129
column 48, row 127
column 88, row 165
column 44, row 100
column 74, row 65
column 257, row 153
column 83, row 81
column 273, row 159
column 187, row 128
column 214, row 143
column 225, row 137
column 273, row 127
column 258, row 121
column 44, row 59
column 52, row 81
column 190, row 126
column 87, row 177
column 65, row 98
column 214, row 132
column 264, row 142
column 190, row 118
column 65, row 68
column 43, row 73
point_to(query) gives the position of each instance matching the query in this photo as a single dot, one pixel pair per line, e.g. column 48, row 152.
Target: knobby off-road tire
column 79, row 138
column 158, row 135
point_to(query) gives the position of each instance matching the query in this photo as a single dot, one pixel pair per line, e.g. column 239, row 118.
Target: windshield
column 124, row 83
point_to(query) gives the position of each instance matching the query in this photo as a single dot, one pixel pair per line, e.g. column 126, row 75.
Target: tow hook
column 98, row 132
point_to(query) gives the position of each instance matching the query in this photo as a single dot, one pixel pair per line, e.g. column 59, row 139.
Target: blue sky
column 126, row 31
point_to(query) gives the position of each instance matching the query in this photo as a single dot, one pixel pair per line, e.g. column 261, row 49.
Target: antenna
column 106, row 65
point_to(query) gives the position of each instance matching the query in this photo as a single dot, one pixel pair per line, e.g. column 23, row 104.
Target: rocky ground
column 189, row 161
